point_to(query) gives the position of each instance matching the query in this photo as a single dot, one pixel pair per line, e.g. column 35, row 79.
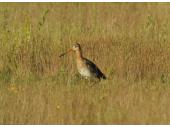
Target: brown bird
column 85, row 67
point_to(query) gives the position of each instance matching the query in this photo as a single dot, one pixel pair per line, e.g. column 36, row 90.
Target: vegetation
column 128, row 41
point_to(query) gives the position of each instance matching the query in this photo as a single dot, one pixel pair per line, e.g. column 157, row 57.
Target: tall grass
column 128, row 41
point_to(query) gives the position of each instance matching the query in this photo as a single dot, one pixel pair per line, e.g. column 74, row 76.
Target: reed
column 128, row 41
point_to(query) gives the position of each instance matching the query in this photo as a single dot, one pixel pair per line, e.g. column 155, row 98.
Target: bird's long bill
column 65, row 53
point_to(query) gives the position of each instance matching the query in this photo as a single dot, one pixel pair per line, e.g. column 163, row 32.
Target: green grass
column 129, row 42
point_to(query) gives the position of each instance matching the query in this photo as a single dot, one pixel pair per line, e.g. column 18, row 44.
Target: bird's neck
column 79, row 55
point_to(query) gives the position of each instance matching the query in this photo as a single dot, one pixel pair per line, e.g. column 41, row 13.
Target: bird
column 85, row 67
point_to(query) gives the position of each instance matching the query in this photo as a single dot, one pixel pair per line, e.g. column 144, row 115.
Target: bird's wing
column 94, row 69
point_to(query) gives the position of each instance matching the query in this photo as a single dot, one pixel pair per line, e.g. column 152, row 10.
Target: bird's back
column 94, row 69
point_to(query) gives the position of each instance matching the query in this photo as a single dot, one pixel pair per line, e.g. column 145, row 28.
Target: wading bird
column 85, row 67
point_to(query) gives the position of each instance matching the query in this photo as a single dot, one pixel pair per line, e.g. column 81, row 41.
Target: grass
column 128, row 41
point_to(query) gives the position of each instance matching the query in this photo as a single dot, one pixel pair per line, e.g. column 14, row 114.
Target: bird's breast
column 84, row 72
column 83, row 69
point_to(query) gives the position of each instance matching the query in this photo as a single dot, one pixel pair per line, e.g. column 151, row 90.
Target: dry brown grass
column 128, row 41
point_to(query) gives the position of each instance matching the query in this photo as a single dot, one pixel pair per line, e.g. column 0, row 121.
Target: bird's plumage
column 85, row 67
column 94, row 69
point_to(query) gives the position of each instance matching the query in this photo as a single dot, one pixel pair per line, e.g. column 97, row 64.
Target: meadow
column 129, row 42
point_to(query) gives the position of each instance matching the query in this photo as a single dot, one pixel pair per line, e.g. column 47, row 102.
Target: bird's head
column 76, row 48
